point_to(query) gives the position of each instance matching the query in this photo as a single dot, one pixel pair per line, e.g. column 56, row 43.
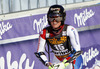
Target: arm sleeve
column 74, row 37
column 42, row 41
column 41, row 46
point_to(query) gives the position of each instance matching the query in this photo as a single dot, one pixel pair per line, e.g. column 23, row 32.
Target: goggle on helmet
column 56, row 11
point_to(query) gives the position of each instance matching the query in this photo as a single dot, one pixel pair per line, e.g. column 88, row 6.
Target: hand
column 48, row 64
column 61, row 65
column 51, row 67
column 64, row 61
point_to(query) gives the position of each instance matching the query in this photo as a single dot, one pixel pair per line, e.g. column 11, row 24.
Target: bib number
column 59, row 47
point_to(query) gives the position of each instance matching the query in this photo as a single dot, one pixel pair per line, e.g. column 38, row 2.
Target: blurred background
column 9, row 6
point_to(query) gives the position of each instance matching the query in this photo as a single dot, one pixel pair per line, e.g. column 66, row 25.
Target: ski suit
column 64, row 43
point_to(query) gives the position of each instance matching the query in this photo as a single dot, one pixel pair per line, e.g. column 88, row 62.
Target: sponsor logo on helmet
column 55, row 9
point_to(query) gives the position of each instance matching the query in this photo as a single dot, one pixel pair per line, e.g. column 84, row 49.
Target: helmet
column 56, row 10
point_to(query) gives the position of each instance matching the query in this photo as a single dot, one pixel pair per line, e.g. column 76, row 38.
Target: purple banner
column 83, row 17
column 90, row 44
column 20, row 55
column 22, row 26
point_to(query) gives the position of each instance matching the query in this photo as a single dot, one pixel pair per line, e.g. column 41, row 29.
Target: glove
column 61, row 65
column 66, row 64
column 57, row 66
column 51, row 67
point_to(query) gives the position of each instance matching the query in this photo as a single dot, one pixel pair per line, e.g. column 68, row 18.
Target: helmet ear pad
column 57, row 9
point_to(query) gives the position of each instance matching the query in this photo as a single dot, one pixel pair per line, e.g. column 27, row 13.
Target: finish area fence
column 9, row 6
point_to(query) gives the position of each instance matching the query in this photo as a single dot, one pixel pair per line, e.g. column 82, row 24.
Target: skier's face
column 55, row 22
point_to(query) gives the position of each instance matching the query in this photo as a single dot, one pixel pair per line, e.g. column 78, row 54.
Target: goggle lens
column 58, row 19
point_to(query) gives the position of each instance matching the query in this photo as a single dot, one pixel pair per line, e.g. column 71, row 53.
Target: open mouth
column 55, row 23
